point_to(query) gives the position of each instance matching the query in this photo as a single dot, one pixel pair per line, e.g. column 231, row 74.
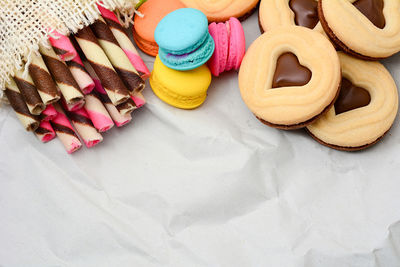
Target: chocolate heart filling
column 351, row 97
column 373, row 10
column 289, row 72
column 305, row 12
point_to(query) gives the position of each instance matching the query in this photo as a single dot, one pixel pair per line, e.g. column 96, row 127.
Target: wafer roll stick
column 80, row 74
column 45, row 132
column 29, row 92
column 98, row 113
column 117, row 117
column 118, row 58
column 84, row 126
column 62, row 76
column 49, row 113
column 62, row 46
column 126, row 107
column 43, row 81
column 95, row 55
column 64, row 131
column 29, row 121
column 139, row 99
column 125, row 43
column 74, row 106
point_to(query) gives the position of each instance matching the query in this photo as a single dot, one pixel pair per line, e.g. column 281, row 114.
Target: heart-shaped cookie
column 305, row 67
column 289, row 72
column 361, row 115
column 367, row 29
column 305, row 12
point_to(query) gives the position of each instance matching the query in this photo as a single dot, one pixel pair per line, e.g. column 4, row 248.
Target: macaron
column 143, row 28
column 183, row 39
column 181, row 89
column 230, row 46
column 222, row 10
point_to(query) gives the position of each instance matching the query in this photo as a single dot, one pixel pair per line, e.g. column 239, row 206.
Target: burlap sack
column 24, row 24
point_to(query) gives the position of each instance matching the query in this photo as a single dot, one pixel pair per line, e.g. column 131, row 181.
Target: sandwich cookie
column 276, row 13
column 181, row 89
column 143, row 28
column 367, row 29
column 222, row 10
column 290, row 76
column 364, row 111
column 184, row 40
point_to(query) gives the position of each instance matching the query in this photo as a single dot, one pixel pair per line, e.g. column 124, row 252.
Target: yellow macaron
column 181, row 89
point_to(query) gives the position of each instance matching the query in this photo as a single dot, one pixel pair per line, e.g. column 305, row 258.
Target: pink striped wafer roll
column 62, row 76
column 45, row 132
column 84, row 126
column 118, row 118
column 139, row 99
column 95, row 55
column 124, row 41
column 49, row 113
column 64, row 131
column 116, row 55
column 74, row 106
column 62, row 46
column 80, row 74
column 98, row 113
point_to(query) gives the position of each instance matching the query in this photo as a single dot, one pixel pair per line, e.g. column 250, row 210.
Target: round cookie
column 289, row 76
column 144, row 26
column 364, row 111
column 275, row 13
column 222, row 10
column 368, row 29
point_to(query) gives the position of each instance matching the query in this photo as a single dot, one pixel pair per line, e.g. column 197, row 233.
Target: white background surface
column 208, row 187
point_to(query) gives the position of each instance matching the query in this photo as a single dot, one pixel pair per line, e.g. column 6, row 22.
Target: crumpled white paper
column 208, row 187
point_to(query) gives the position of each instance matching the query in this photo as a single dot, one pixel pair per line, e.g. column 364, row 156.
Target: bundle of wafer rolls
column 80, row 86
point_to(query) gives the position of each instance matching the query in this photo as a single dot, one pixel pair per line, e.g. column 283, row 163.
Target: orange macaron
column 144, row 26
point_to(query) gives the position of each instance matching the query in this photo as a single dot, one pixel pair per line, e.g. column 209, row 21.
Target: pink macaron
column 230, row 46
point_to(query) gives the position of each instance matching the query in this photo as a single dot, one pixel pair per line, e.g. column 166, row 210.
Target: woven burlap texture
column 24, row 24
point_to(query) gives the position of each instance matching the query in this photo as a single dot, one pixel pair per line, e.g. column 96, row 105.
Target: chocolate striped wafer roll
column 95, row 55
column 62, row 46
column 64, row 131
column 85, row 128
column 43, row 81
column 45, row 132
column 80, row 74
column 29, row 121
column 117, row 117
column 98, row 113
column 48, row 114
column 124, row 42
column 127, row 107
column 62, row 76
column 117, row 56
column 29, row 92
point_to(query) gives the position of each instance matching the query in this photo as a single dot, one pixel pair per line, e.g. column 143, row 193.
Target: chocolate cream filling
column 351, row 97
column 305, row 12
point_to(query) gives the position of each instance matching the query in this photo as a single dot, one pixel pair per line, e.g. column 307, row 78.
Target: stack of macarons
column 180, row 76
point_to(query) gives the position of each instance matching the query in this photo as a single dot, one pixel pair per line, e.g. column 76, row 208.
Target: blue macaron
column 183, row 39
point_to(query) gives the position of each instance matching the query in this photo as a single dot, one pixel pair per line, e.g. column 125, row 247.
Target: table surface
column 207, row 187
